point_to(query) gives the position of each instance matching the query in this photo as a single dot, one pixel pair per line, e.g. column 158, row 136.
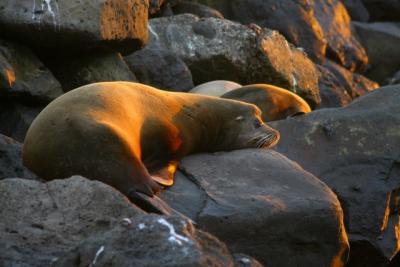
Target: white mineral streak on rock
column 174, row 237
column 98, row 253
column 141, row 226
column 46, row 7
column 152, row 32
column 127, row 221
column 245, row 260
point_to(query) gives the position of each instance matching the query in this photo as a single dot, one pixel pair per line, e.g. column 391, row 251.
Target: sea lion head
column 244, row 128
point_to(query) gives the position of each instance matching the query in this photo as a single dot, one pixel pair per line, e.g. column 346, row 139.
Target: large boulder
column 11, row 159
column 216, row 49
column 260, row 203
column 383, row 10
column 160, row 68
column 23, row 76
column 381, row 40
column 357, row 10
column 84, row 24
column 355, row 150
column 197, row 9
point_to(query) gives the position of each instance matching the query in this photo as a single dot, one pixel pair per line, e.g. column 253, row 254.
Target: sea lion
column 215, row 88
column 131, row 136
column 275, row 103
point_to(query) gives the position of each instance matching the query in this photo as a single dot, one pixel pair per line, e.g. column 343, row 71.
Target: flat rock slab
column 84, row 24
column 217, row 49
column 260, row 203
column 355, row 150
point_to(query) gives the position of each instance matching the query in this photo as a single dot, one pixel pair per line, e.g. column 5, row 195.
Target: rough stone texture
column 333, row 92
column 149, row 242
column 23, row 76
column 11, row 160
column 216, row 49
column 40, row 221
column 260, row 203
column 15, row 119
column 357, row 10
column 160, row 68
column 395, row 79
column 381, row 40
column 242, row 260
column 321, row 27
column 84, row 24
column 381, row 10
column 75, row 70
column 355, row 84
column 197, row 9
column 355, row 151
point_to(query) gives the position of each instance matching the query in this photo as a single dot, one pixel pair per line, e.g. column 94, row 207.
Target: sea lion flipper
column 165, row 176
column 151, row 204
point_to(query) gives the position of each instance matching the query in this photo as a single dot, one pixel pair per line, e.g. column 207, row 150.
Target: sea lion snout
column 269, row 137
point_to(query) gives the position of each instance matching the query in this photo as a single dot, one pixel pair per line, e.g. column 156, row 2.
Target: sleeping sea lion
column 131, row 136
column 274, row 102
column 215, row 88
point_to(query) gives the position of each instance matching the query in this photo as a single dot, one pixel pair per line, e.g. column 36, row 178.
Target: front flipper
column 151, row 204
column 165, row 176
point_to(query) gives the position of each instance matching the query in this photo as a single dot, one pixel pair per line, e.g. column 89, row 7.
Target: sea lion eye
column 257, row 123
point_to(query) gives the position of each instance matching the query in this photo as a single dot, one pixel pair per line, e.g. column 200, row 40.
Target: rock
column 160, row 68
column 15, row 119
column 381, row 40
column 354, row 150
column 197, row 9
column 215, row 88
column 242, row 260
column 356, row 10
column 76, row 25
column 23, row 77
column 149, row 241
column 321, row 27
column 262, row 204
column 395, row 79
column 355, row 84
column 41, row 221
column 379, row 10
column 75, row 70
column 216, row 49
column 333, row 92
column 11, row 161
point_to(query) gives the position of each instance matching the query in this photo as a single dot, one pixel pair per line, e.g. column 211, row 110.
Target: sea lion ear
column 239, row 118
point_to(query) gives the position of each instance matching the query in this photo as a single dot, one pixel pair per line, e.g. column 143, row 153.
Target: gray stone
column 357, row 10
column 383, row 10
column 354, row 150
column 23, row 76
column 395, row 79
column 197, row 9
column 216, row 49
column 83, row 24
column 11, row 160
column 260, row 203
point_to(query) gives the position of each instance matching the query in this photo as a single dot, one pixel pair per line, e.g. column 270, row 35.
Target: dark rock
column 197, row 9
column 40, row 221
column 260, row 203
column 381, row 40
column 15, row 119
column 355, row 151
column 333, row 92
column 321, row 27
column 355, row 84
column 216, row 49
column 84, row 24
column 11, row 161
column 357, row 10
column 23, row 77
column 242, row 260
column 75, row 70
column 160, row 68
column 150, row 241
column 381, row 10
column 395, row 79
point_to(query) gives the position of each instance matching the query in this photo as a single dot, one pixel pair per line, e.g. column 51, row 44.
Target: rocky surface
column 395, row 79
column 11, row 159
column 381, row 40
column 23, row 76
column 160, row 68
column 357, row 10
column 75, row 70
column 387, row 10
column 84, row 24
column 197, row 9
column 216, row 49
column 264, row 193
column 354, row 150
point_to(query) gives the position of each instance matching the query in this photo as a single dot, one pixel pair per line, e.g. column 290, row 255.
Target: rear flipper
column 165, row 176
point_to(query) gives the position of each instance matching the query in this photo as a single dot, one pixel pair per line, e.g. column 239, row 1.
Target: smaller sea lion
column 275, row 103
column 215, row 88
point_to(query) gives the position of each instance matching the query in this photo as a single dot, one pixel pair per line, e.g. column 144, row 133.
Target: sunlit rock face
column 260, row 203
column 382, row 43
column 23, row 77
column 11, row 161
column 355, row 151
column 118, row 24
column 216, row 49
column 321, row 27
